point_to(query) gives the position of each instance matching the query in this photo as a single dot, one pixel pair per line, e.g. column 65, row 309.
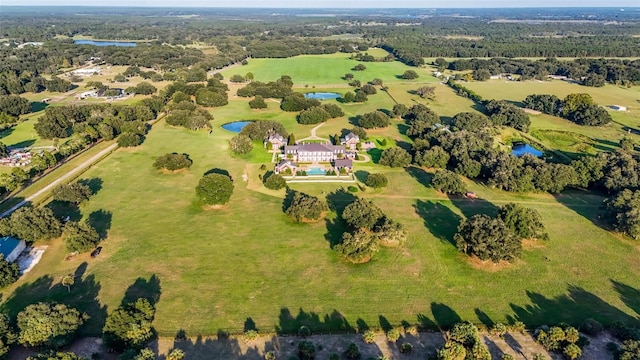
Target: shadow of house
column 94, row 184
column 440, row 220
column 629, row 295
column 444, row 316
column 142, row 288
column 82, row 295
column 572, row 308
column 332, row 322
column 101, row 221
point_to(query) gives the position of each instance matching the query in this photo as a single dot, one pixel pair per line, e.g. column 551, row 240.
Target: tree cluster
column 395, row 157
column 74, row 193
column 504, row 113
column 304, row 207
column 578, row 108
column 561, row 339
column 129, row 326
column 173, row 162
column 188, row 115
column 48, row 324
column 318, row 114
column 274, row 181
column 368, row 227
column 31, row 224
column 79, row 236
column 377, row 181
column 214, row 189
column 463, row 342
column 261, row 129
column 448, row 182
column 373, row 120
column 275, row 89
column 241, row 144
column 499, row 238
column 297, row 102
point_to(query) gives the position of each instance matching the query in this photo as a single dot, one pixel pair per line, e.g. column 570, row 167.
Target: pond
column 105, row 43
column 322, row 95
column 520, row 149
column 235, row 126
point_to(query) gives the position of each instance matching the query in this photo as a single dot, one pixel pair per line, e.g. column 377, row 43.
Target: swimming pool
column 315, row 171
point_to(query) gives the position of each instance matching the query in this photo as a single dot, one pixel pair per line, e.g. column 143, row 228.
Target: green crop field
column 324, row 70
column 217, row 269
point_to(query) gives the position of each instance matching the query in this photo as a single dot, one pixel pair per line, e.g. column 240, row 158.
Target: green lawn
column 215, row 270
column 324, row 70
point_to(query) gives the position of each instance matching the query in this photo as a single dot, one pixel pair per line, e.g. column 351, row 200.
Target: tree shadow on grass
column 470, row 207
column 445, row 316
column 101, row 221
column 375, row 154
column 332, row 322
column 402, row 128
column 142, row 288
column 420, row 175
column 6, row 132
column 23, row 144
column 218, row 171
column 572, row 308
column 629, row 295
column 38, row 106
column 224, row 347
column 288, row 199
column 484, row 318
column 586, row 204
column 362, row 175
column 354, row 120
column 440, row 220
column 94, row 184
column 339, row 199
column 335, row 229
column 82, row 295
column 64, row 209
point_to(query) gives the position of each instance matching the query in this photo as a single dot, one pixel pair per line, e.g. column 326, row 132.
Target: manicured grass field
column 324, row 70
column 220, row 269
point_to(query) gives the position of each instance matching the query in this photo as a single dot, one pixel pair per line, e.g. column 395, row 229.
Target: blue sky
column 334, row 3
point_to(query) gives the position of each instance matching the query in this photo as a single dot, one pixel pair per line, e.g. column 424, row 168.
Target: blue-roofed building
column 520, row 149
column 11, row 248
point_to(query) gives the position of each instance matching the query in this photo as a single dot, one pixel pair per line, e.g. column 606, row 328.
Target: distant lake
column 104, row 43
column 322, row 95
column 236, row 126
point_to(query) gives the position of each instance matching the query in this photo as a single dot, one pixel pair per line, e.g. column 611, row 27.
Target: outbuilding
column 11, row 247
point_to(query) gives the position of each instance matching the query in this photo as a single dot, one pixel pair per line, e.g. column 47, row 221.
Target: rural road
column 62, row 178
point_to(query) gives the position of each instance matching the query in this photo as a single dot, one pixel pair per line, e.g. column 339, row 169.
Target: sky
column 335, row 3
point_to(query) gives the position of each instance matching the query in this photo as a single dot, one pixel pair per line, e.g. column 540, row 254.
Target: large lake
column 104, row 43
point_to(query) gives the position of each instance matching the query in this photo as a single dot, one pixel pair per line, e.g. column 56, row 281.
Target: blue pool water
column 235, row 126
column 315, row 171
column 104, row 43
column 322, row 95
column 521, row 149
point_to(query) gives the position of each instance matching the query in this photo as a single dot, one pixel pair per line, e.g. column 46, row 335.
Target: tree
column 9, row 273
column 360, row 97
column 32, row 224
column 210, row 98
column 129, row 139
column 630, row 350
column 368, row 89
column 488, row 239
column 241, row 144
column 399, row 110
column 448, row 182
column 274, row 181
column 349, row 97
column 471, row 121
column 55, row 355
column 237, row 78
column 14, row 105
column 377, row 181
column 358, row 246
column 623, row 211
column 258, row 103
column 73, row 193
column 526, row 223
column 80, row 236
column 360, row 132
column 215, row 189
column 353, row 352
column 410, row 75
column 627, row 144
column 143, row 88
column 333, row 110
column 428, row 92
column 362, row 214
column 395, row 157
column 313, row 115
column 291, row 140
column 504, row 113
column 176, row 354
column 435, row 157
column 306, row 350
column 372, row 120
column 173, row 162
column 348, row 76
column 49, row 324
column 129, row 326
column 305, row 207
column 68, row 281
column 481, row 75
column 7, row 335
column 359, row 67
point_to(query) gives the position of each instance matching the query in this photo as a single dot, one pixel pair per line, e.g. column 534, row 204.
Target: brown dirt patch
column 529, row 244
column 214, row 207
column 488, row 265
column 167, row 171
column 362, row 261
column 392, row 243
column 531, row 111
